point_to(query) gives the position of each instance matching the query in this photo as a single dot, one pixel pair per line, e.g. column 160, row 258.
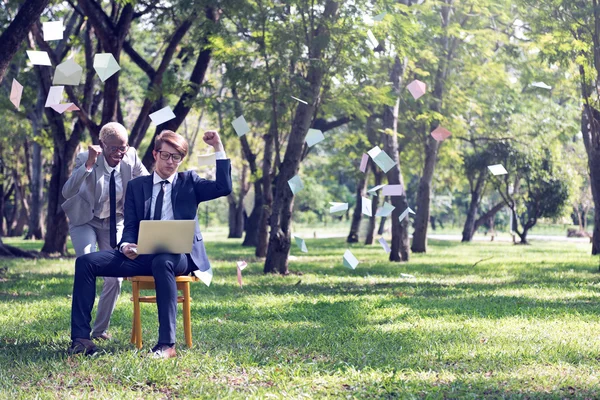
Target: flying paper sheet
column 301, row 244
column 297, row 99
column 372, row 40
column 68, row 73
column 163, row 115
column 53, row 30
column 337, row 207
column 61, row 108
column 240, row 125
column 541, row 85
column 497, row 169
column 240, row 267
column 381, row 158
column 207, row 159
column 385, row 245
column 405, row 213
column 374, row 189
column 440, row 134
column 407, row 276
column 313, row 137
column 417, row 88
column 393, row 190
column 105, row 65
column 349, row 260
column 39, row 58
column 205, row 276
column 239, row 277
column 380, row 17
column 363, row 162
column 296, row 184
column 15, row 93
column 385, row 210
column 54, row 96
column 367, row 207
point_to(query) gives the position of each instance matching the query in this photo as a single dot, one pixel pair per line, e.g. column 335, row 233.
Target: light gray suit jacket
column 84, row 188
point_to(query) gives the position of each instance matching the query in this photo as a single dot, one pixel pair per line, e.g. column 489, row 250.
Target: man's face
column 166, row 168
column 114, row 149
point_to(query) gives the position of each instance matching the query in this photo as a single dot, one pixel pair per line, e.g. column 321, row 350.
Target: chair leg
column 137, row 319
column 133, row 291
column 187, row 317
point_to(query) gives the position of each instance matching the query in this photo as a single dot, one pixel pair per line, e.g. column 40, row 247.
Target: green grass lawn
column 522, row 323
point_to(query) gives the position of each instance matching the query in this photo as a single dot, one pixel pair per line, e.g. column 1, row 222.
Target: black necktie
column 159, row 201
column 112, row 192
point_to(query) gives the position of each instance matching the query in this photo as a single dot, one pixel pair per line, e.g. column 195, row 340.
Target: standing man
column 95, row 198
column 164, row 195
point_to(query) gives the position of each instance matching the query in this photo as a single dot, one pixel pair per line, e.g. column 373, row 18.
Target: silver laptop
column 173, row 237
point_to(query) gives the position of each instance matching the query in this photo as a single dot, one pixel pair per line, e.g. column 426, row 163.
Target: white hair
column 113, row 129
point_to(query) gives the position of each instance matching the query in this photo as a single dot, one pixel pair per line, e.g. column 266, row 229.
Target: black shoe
column 82, row 346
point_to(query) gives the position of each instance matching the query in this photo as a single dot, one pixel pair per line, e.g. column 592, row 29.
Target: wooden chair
column 147, row 283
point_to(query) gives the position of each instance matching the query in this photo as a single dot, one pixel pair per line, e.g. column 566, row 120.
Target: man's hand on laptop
column 130, row 251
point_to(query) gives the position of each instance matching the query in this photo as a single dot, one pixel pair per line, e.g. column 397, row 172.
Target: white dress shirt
column 167, row 208
column 102, row 207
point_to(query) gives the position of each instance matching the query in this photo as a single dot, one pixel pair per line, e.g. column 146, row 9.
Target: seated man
column 163, row 195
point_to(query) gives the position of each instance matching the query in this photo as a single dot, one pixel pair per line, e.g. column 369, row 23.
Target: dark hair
column 177, row 141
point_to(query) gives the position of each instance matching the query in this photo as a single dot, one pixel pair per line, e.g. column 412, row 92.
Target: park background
column 482, row 295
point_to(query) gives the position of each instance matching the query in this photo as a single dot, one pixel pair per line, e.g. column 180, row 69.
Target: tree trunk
column 280, row 235
column 523, row 236
column 13, row 36
column 20, row 199
column 236, row 218
column 62, row 165
column 373, row 219
column 400, row 241
column 489, row 216
column 590, row 127
column 419, row 244
column 469, row 228
column 381, row 229
column 36, row 184
column 265, row 215
column 64, row 154
column 357, row 215
column 253, row 222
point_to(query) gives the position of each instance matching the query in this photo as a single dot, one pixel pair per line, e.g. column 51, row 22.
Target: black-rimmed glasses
column 165, row 155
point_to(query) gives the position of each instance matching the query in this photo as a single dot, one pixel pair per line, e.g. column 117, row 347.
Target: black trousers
column 163, row 267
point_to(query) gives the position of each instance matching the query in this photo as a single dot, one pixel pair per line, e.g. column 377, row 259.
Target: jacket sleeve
column 77, row 178
column 132, row 224
column 138, row 168
column 208, row 190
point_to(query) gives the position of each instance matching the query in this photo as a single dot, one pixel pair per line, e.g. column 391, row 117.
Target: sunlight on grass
column 477, row 320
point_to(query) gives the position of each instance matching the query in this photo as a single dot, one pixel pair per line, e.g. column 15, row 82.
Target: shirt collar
column 157, row 179
column 110, row 169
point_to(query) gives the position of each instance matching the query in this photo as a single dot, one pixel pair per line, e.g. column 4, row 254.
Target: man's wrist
column 219, row 147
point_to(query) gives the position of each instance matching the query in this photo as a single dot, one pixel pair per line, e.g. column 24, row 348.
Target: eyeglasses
column 114, row 149
column 165, row 155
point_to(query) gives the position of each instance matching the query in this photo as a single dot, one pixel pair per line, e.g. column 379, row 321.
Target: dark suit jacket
column 189, row 191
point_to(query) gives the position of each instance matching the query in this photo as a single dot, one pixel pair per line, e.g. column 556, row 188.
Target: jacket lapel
column 99, row 178
column 125, row 171
column 175, row 191
column 147, row 188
